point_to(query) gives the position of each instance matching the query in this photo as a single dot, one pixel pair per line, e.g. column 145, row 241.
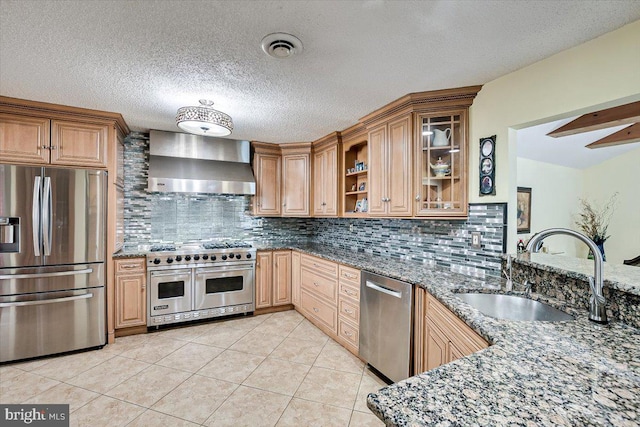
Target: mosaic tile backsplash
column 177, row 217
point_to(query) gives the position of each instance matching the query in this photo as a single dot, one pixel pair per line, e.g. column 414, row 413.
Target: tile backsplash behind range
column 177, row 217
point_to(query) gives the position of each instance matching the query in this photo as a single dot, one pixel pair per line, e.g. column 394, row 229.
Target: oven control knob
column 187, row 257
column 205, row 256
column 248, row 255
column 196, row 257
column 213, row 257
column 224, row 257
column 178, row 258
column 238, row 256
column 169, row 260
column 231, row 255
column 156, row 261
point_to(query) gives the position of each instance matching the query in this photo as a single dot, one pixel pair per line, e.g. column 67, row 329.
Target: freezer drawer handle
column 384, row 290
column 46, row 301
column 40, row 275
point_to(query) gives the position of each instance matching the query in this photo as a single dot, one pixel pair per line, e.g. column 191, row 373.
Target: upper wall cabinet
column 325, row 175
column 355, row 172
column 283, row 176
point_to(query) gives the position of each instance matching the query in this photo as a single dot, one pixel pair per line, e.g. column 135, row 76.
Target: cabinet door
column 24, row 139
column 295, row 278
column 319, row 203
column 399, row 176
column 267, row 199
column 330, row 180
column 435, row 346
column 78, row 144
column 131, row 300
column 281, row 277
column 264, row 279
column 378, row 168
column 295, row 185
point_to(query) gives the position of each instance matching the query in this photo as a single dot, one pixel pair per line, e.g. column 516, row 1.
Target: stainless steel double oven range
column 191, row 282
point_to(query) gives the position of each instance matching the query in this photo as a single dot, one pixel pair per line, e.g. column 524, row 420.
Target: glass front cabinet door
column 441, row 164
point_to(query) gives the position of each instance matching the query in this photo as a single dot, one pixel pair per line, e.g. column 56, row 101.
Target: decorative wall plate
column 487, row 166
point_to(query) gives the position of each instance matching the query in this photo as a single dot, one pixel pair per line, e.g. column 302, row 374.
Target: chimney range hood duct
column 183, row 163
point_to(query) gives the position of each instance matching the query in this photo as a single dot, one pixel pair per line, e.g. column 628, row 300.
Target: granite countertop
column 574, row 373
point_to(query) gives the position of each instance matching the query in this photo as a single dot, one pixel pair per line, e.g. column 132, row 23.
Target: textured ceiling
column 145, row 59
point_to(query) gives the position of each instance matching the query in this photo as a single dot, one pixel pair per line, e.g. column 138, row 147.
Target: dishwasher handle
column 383, row 289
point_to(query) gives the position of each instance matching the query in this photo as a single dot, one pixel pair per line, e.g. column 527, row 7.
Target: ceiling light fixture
column 281, row 45
column 204, row 120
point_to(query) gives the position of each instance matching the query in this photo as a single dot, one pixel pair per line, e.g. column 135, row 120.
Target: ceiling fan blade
column 615, row 116
column 624, row 136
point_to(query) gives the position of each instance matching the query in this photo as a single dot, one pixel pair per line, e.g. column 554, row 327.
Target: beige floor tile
column 156, row 419
column 249, row 407
column 195, row 399
column 33, row 364
column 24, row 386
column 184, row 333
column 370, row 383
column 149, row 386
column 334, row 356
column 258, row 343
column 75, row 397
column 191, row 357
column 329, row 386
column 220, row 336
column 105, row 412
column 307, row 331
column 312, row 414
column 109, row 374
column 361, row 419
column 153, row 349
column 8, row 372
column 279, row 376
column 282, row 323
column 296, row 350
column 127, row 343
column 233, row 366
column 65, row 367
column 246, row 323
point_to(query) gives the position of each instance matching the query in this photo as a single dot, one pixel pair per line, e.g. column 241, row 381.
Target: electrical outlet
column 475, row 239
column 259, row 223
column 351, row 227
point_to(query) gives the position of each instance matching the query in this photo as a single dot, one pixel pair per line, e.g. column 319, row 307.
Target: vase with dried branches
column 593, row 220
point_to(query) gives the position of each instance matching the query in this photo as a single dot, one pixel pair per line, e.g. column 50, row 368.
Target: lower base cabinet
column 130, row 293
column 273, row 279
column 440, row 336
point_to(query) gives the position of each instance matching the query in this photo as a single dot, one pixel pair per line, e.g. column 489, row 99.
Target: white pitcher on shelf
column 441, row 137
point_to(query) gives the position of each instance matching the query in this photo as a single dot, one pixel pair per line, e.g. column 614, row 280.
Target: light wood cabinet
column 355, row 172
column 267, row 168
column 281, row 277
column 78, row 144
column 296, row 278
column 349, row 308
column 264, row 279
column 440, row 336
column 296, row 176
column 325, row 175
column 130, row 293
column 390, row 177
column 24, row 139
column 319, row 293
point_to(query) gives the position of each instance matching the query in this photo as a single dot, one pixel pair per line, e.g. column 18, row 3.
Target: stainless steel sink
column 510, row 307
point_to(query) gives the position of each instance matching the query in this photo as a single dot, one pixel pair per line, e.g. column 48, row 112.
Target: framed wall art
column 524, row 210
column 488, row 166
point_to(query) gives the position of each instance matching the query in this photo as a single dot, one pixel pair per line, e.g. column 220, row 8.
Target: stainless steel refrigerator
column 52, row 260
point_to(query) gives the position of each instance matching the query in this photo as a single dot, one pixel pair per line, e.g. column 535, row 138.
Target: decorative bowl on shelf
column 440, row 168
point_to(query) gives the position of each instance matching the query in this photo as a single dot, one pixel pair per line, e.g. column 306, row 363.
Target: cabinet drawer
column 348, row 274
column 133, row 265
column 348, row 332
column 320, row 285
column 350, row 291
column 349, row 310
column 319, row 310
column 319, row 265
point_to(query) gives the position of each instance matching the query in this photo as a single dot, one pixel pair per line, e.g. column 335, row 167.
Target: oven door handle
column 45, row 301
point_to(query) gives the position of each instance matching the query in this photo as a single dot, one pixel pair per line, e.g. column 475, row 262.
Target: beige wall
column 597, row 74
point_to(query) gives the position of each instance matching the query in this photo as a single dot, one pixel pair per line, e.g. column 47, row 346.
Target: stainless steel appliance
column 52, row 260
column 199, row 281
column 386, row 321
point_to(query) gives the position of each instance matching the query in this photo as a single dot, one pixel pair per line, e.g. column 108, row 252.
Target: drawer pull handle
column 316, row 310
column 315, row 284
column 349, row 276
column 346, row 310
column 347, row 333
column 348, row 292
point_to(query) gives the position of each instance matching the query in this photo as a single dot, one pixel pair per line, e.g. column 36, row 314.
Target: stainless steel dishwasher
column 386, row 321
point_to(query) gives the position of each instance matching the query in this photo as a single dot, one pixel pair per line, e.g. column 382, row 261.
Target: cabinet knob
column 53, row 147
column 44, row 147
column 315, row 309
column 418, row 198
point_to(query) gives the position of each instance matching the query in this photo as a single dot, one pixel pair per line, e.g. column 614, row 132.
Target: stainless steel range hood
column 183, row 163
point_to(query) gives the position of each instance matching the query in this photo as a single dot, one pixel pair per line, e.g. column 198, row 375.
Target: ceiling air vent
column 281, row 45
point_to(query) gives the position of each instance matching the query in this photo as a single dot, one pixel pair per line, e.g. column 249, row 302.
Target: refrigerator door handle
column 46, row 216
column 35, row 216
column 42, row 275
column 45, row 301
